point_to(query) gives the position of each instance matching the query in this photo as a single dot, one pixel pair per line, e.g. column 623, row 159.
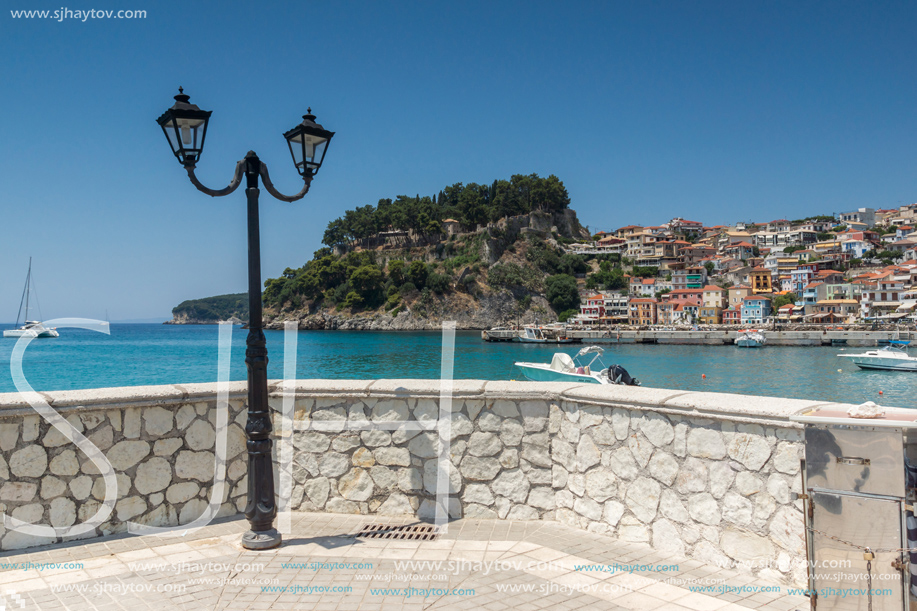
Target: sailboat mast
column 28, row 279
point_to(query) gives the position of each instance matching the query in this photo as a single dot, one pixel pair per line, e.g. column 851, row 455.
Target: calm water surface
column 136, row 355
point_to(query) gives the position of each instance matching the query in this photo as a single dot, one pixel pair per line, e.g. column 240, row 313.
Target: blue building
column 756, row 310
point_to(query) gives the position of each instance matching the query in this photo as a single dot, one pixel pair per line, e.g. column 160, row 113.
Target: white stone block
column 704, row 508
column 706, row 443
column 663, row 467
column 512, row 484
column 642, row 498
column 356, row 485
column 657, row 429
column 30, row 461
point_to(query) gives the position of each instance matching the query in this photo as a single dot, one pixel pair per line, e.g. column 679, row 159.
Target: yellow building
column 642, row 312
column 711, row 310
column 760, row 280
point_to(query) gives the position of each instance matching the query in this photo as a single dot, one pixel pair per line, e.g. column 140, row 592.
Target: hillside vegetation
column 212, row 309
column 478, row 254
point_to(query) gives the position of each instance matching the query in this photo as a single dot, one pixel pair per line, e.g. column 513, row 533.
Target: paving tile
column 700, row 602
column 638, row 601
column 546, row 554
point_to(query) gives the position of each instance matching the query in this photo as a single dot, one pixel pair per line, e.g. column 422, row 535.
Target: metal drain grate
column 404, row 532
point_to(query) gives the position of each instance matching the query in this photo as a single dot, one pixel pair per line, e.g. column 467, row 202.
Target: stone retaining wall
column 160, row 441
column 708, row 476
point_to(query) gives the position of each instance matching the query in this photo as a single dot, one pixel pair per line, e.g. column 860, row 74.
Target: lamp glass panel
column 296, row 150
column 318, row 151
column 174, row 139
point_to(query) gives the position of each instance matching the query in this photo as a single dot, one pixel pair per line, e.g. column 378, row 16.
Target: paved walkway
column 486, row 564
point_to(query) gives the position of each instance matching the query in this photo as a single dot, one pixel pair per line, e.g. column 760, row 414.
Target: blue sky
column 716, row 111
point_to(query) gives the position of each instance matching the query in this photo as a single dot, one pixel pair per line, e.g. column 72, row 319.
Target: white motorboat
column 563, row 368
column 890, row 358
column 29, row 328
column 750, row 339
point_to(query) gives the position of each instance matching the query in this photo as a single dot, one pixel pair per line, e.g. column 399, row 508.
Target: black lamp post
column 185, row 126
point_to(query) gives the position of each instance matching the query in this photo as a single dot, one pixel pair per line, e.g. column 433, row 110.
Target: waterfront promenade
column 533, row 565
column 680, row 483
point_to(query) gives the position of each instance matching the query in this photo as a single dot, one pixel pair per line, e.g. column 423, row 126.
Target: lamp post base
column 265, row 539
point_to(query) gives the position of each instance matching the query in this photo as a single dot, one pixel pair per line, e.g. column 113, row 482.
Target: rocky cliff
column 459, row 285
column 486, row 312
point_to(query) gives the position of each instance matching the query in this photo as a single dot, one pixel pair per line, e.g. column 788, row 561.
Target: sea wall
column 704, row 475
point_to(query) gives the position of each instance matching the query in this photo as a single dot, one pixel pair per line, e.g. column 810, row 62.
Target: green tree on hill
column 782, row 300
column 562, row 293
column 366, row 280
column 607, row 278
column 471, row 204
column 416, row 274
column 396, row 271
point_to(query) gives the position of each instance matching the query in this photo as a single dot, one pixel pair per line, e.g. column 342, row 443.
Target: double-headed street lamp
column 185, row 126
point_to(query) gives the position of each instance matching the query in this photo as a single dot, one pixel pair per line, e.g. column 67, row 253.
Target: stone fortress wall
column 708, row 476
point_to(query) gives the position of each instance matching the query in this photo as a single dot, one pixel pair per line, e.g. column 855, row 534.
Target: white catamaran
column 29, row 328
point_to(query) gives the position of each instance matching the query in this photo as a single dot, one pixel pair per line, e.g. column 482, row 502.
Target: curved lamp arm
column 265, row 177
column 233, row 185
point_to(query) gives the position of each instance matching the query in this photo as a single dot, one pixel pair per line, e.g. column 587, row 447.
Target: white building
column 860, row 215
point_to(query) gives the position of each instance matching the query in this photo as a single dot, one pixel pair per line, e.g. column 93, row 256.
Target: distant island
column 480, row 254
column 211, row 310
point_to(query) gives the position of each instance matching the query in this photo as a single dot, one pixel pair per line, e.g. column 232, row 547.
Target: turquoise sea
column 142, row 354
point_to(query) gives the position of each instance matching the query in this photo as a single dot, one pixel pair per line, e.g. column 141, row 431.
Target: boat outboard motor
column 619, row 375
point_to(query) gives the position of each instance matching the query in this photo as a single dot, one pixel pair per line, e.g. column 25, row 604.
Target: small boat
column 890, row 358
column 533, row 335
column 29, row 328
column 550, row 334
column 563, row 368
column 750, row 339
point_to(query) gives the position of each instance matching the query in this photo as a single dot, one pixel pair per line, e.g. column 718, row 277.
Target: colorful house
column 711, row 312
column 842, row 309
column 678, row 312
column 756, row 310
column 689, row 278
column 737, row 294
column 799, row 278
column 732, row 316
column 643, row 287
column 760, row 280
column 642, row 311
column 592, row 308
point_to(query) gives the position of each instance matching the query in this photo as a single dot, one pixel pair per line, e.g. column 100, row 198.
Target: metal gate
column 856, row 505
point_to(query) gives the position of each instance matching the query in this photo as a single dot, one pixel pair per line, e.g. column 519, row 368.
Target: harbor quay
column 714, row 337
